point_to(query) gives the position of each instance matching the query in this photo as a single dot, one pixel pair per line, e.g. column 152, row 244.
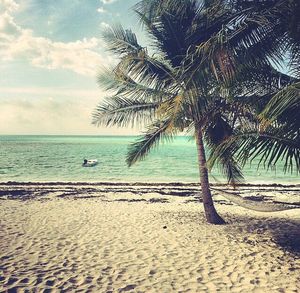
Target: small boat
column 89, row 163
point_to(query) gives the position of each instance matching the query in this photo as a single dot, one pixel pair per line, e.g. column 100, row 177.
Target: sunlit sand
column 81, row 238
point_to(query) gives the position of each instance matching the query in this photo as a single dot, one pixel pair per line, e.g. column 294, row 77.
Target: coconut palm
column 180, row 86
column 151, row 89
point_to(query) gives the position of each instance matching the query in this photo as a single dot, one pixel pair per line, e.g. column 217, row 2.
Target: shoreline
column 263, row 197
column 141, row 183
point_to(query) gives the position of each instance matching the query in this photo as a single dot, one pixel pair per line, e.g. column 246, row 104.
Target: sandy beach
column 144, row 238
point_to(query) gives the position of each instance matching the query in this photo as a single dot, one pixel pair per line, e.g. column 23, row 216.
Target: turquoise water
column 59, row 158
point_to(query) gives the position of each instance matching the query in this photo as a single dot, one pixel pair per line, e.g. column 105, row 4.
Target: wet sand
column 114, row 237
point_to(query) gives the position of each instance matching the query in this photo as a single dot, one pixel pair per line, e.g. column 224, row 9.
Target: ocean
column 59, row 158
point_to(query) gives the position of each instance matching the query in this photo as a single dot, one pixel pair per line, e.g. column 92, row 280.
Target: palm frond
column 156, row 132
column 286, row 100
column 148, row 70
column 269, row 147
column 120, row 41
column 123, row 112
column 249, row 36
column 217, row 130
column 295, row 59
column 228, row 166
column 120, row 83
column 168, row 24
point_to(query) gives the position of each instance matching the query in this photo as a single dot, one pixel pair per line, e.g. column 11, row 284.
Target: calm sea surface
column 59, row 158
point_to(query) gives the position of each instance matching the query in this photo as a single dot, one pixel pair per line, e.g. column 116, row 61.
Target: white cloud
column 7, row 25
column 81, row 56
column 108, row 1
column 46, row 115
column 8, row 5
column 52, row 115
column 44, row 91
column 42, row 52
column 104, row 25
column 101, row 10
column 47, row 110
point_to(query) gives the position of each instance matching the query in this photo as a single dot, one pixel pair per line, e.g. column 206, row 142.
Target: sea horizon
column 58, row 158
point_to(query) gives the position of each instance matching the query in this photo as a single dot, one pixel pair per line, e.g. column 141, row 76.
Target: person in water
column 85, row 161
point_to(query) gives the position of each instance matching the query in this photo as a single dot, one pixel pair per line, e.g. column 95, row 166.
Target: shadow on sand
column 284, row 233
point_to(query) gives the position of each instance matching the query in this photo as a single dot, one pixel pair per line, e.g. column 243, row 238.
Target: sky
column 50, row 54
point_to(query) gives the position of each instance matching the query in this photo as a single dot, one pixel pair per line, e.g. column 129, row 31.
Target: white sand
column 102, row 244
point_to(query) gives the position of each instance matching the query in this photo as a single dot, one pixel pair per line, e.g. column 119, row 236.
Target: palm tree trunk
column 210, row 212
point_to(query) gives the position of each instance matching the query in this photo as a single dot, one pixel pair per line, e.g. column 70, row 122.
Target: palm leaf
column 168, row 24
column 121, row 41
column 286, row 99
column 121, row 83
column 216, row 131
column 269, row 147
column 123, row 112
column 156, row 132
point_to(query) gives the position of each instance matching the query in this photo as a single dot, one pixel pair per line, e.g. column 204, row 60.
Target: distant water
column 59, row 158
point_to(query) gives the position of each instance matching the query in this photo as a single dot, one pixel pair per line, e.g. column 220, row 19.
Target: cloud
column 104, row 25
column 47, row 110
column 44, row 91
column 101, row 10
column 81, row 56
column 42, row 52
column 8, row 5
column 108, row 1
column 45, row 115
column 8, row 27
column 52, row 115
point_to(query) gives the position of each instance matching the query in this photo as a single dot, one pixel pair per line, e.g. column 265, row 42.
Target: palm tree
column 153, row 88
column 181, row 86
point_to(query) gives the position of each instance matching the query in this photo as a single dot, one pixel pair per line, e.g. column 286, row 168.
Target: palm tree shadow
column 284, row 233
column 288, row 239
